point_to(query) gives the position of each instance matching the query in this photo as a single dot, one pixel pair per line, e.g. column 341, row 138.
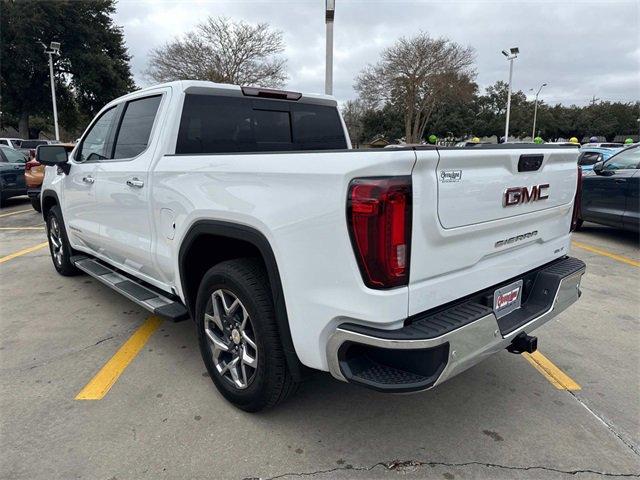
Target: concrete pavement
column 163, row 418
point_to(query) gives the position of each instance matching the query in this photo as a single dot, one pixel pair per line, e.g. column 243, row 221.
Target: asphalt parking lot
column 572, row 412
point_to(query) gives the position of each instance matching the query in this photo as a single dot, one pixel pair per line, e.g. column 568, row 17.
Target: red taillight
column 379, row 215
column 576, row 201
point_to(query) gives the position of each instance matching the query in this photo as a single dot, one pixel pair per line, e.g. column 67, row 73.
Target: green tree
column 387, row 121
column 455, row 117
column 492, row 111
column 92, row 69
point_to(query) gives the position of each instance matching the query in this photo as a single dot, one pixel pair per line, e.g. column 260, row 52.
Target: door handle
column 135, row 182
column 621, row 180
column 88, row 179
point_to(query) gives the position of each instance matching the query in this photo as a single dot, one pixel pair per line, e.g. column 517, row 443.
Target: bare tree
column 224, row 51
column 353, row 112
column 417, row 75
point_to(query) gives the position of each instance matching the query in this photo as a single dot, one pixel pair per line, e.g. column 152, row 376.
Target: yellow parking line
column 21, row 228
column 557, row 377
column 99, row 385
column 23, row 252
column 620, row 258
column 16, row 213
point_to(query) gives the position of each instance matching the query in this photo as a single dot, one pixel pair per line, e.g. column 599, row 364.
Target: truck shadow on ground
column 15, row 202
column 481, row 409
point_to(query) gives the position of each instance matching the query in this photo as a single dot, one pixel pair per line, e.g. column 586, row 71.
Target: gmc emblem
column 518, row 195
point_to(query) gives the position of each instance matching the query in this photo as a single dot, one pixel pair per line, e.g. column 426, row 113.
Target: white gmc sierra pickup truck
column 247, row 210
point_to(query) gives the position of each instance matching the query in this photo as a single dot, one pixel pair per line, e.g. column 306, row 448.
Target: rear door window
column 135, row 127
column 215, row 124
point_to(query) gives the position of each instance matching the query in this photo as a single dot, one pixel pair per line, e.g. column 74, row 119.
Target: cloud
column 580, row 48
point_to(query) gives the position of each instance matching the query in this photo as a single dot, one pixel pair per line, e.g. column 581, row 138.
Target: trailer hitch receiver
column 523, row 343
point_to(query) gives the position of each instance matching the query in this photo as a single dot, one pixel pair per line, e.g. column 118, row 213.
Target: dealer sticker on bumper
column 507, row 299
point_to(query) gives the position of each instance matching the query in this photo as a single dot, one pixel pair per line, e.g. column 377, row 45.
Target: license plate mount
column 507, row 299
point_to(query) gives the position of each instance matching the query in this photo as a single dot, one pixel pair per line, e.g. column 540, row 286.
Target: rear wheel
column 59, row 247
column 238, row 336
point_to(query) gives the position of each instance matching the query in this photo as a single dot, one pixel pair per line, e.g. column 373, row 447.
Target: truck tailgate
column 473, row 183
column 468, row 236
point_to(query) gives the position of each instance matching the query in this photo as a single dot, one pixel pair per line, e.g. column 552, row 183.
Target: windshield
column 13, row 156
column 32, row 143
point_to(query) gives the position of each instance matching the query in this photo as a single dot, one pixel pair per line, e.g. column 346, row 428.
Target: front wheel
column 59, row 247
column 238, row 336
column 35, row 203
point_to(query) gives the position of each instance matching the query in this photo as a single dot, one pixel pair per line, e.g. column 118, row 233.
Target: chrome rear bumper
column 467, row 345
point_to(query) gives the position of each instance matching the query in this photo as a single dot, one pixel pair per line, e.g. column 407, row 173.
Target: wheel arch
column 49, row 199
column 225, row 241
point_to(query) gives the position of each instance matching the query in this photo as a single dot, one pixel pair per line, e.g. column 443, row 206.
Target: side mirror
column 598, row 167
column 54, row 156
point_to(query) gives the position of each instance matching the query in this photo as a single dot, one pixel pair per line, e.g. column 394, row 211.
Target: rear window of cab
column 218, row 124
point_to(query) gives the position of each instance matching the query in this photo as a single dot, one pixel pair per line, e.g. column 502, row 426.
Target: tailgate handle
column 530, row 162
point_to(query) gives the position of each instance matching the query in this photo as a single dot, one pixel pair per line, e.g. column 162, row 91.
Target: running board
column 144, row 296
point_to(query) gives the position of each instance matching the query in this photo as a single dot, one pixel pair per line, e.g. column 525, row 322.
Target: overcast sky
column 580, row 48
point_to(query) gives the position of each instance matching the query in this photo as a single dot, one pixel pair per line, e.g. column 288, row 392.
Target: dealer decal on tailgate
column 507, row 299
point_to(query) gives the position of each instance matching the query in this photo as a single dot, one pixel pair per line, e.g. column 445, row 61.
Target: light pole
column 54, row 49
column 511, row 55
column 328, row 76
column 535, row 110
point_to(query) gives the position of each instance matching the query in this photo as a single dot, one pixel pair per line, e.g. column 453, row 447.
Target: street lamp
column 53, row 49
column 535, row 110
column 511, row 55
column 328, row 75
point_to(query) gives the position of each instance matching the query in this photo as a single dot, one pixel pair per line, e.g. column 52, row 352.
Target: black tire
column 56, row 233
column 35, row 203
column 271, row 382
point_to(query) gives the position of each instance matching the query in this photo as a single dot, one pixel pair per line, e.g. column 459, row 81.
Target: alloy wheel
column 231, row 338
column 55, row 239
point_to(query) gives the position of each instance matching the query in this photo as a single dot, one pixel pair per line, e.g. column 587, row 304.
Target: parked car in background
column 34, row 174
column 11, row 142
column 611, row 196
column 604, row 145
column 29, row 147
column 589, row 156
column 12, row 182
column 564, row 144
